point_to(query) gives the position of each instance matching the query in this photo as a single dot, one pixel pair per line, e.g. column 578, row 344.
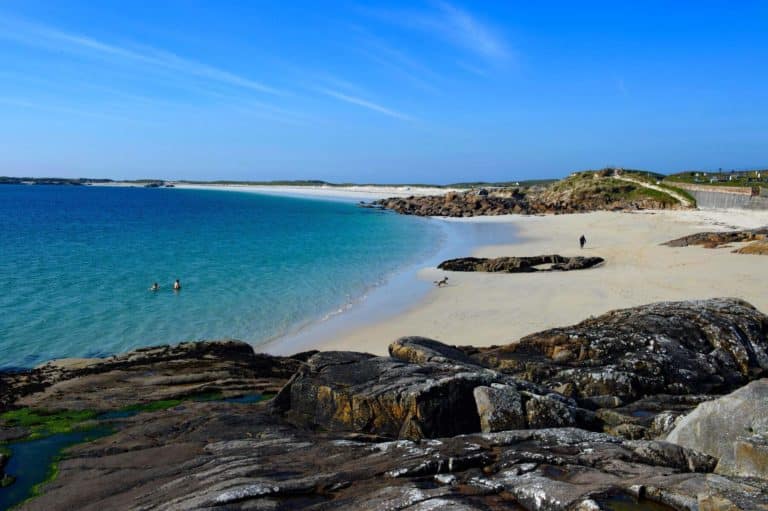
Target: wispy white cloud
column 398, row 62
column 59, row 109
column 340, row 83
column 365, row 104
column 261, row 109
column 455, row 26
column 469, row 32
column 52, row 39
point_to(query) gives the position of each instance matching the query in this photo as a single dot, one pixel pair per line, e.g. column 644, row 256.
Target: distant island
column 8, row 180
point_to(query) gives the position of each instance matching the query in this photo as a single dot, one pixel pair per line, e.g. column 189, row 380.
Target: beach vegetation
column 592, row 184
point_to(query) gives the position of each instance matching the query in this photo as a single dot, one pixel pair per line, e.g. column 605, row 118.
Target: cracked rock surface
column 567, row 419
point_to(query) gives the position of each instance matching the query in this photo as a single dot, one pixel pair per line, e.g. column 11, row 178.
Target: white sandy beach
column 486, row 309
column 351, row 192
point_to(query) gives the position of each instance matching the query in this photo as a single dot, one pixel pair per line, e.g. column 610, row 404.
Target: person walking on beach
column 582, row 241
column 177, row 285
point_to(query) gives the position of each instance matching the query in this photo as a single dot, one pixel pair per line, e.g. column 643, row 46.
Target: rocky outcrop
column 716, row 239
column 237, row 457
column 520, row 264
column 589, row 191
column 418, row 350
column 627, row 366
column 146, row 375
column 429, row 427
column 667, row 348
column 733, row 428
column 462, row 204
column 754, row 248
column 342, row 391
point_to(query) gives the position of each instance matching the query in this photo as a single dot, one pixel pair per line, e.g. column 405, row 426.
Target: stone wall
column 724, row 197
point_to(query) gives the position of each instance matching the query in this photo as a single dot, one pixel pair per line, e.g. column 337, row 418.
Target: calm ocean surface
column 76, row 264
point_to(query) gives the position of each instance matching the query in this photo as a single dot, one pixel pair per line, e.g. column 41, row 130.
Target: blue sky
column 429, row 91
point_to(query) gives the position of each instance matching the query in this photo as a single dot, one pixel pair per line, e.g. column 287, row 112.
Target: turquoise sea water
column 76, row 264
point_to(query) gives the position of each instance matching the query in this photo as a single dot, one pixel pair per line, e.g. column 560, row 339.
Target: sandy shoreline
column 352, row 192
column 487, row 309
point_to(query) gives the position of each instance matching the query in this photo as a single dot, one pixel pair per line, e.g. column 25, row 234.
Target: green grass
column 584, row 185
column 643, row 193
column 42, row 423
column 644, row 175
column 680, row 191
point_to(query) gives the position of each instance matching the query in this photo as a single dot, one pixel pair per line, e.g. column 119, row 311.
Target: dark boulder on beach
column 716, row 239
column 520, row 264
column 756, row 239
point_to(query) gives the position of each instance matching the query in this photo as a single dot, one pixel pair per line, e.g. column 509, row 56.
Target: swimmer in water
column 177, row 285
column 154, row 287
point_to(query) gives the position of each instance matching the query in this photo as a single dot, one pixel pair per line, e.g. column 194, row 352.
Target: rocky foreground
column 570, row 418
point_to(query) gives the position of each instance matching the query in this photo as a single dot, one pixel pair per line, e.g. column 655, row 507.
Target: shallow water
column 31, row 460
column 76, row 264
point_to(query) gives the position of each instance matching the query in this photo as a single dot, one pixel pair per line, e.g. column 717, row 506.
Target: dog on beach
column 442, row 282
